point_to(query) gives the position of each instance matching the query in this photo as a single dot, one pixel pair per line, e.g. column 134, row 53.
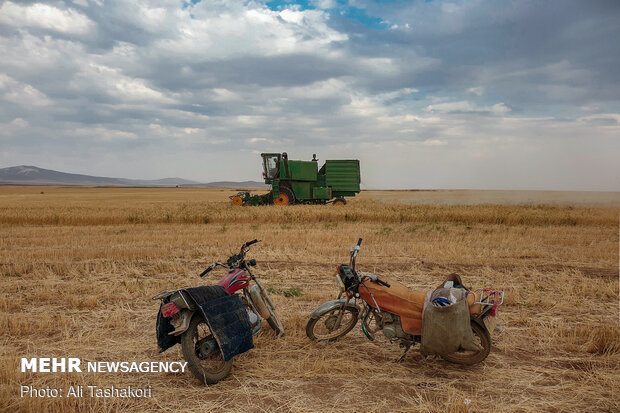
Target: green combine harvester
column 302, row 182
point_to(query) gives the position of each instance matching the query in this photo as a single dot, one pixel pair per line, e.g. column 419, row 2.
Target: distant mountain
column 32, row 175
column 233, row 184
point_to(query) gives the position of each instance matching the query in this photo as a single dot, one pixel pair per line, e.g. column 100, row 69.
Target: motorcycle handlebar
column 378, row 281
column 209, row 269
column 248, row 243
column 232, row 258
column 374, row 278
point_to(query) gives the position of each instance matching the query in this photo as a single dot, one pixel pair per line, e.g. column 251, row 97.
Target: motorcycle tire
column 326, row 320
column 469, row 358
column 273, row 320
column 259, row 302
column 208, row 368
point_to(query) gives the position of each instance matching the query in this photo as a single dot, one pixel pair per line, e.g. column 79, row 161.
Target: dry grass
column 78, row 267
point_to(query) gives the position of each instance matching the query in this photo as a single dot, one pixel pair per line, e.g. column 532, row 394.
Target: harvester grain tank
column 302, row 182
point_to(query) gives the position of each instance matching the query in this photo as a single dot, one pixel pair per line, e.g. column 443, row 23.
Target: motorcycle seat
column 397, row 289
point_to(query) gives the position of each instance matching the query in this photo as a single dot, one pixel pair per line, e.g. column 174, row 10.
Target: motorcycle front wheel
column 203, row 354
column 273, row 320
column 326, row 326
column 469, row 358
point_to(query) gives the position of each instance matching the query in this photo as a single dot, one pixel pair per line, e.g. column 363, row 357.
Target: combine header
column 302, row 182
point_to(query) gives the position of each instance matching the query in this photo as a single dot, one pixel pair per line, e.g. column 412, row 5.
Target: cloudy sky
column 427, row 94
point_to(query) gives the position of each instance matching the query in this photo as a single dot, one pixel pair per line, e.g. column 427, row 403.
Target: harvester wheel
column 340, row 201
column 286, row 197
column 237, row 200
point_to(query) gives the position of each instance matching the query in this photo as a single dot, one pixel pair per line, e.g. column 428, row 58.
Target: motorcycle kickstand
column 407, row 348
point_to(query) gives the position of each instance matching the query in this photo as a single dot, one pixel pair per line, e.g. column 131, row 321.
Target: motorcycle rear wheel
column 208, row 367
column 469, row 358
column 323, row 328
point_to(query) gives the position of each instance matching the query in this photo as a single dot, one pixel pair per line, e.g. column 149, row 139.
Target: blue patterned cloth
column 230, row 324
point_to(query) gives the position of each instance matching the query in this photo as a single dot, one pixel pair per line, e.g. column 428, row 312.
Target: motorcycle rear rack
column 489, row 296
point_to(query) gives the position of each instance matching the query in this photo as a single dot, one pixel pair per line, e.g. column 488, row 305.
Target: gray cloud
column 464, row 94
column 527, row 52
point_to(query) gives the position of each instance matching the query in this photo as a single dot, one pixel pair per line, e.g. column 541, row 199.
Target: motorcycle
column 199, row 344
column 390, row 307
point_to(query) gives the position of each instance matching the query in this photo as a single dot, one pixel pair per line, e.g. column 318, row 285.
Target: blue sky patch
column 188, row 3
column 342, row 9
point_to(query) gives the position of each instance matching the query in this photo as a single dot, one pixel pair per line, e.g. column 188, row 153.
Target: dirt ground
column 78, row 268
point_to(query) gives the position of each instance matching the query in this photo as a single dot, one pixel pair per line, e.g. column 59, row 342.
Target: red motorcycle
column 200, row 345
column 390, row 307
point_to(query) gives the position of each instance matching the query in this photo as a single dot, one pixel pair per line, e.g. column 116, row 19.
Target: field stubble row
column 117, row 206
column 80, row 287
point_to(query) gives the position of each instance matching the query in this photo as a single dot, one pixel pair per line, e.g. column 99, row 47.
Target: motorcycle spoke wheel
column 468, row 357
column 327, row 328
column 372, row 327
column 202, row 353
column 258, row 301
column 273, row 320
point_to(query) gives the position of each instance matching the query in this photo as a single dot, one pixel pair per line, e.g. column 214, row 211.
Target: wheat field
column 78, row 268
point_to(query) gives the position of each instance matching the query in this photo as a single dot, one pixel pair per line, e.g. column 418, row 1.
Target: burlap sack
column 447, row 329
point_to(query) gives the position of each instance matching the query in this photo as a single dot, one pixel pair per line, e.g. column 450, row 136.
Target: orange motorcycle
column 390, row 307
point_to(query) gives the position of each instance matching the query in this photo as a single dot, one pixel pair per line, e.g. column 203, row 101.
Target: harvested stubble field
column 78, row 268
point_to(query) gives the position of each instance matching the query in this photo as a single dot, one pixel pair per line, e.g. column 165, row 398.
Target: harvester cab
column 271, row 165
column 302, row 182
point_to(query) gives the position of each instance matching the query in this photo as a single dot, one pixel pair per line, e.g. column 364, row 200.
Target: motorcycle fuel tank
column 397, row 299
column 236, row 280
